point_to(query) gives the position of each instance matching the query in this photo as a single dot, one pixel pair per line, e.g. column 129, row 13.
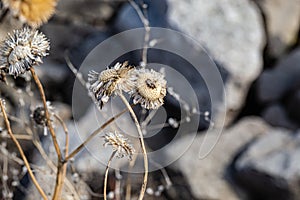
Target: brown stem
column 59, row 181
column 128, row 181
column 106, row 174
column 44, row 196
column 62, row 167
column 47, row 115
column 141, row 139
column 79, row 148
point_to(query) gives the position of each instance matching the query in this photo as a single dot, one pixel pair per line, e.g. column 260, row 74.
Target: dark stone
column 269, row 168
column 292, row 106
column 274, row 84
column 276, row 115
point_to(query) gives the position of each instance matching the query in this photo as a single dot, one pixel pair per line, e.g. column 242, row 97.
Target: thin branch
column 128, row 181
column 62, row 167
column 141, row 139
column 106, row 174
column 44, row 196
column 145, row 22
column 47, row 115
column 66, row 133
column 19, row 137
column 51, row 165
column 77, row 74
column 79, row 148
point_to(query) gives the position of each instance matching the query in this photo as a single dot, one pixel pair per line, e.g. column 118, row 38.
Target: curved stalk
column 141, row 139
column 106, row 174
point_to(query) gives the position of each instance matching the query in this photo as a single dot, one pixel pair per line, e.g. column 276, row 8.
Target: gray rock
column 46, row 178
column 292, row 104
column 67, row 37
column 94, row 13
column 282, row 23
column 233, row 33
column 51, row 73
column 276, row 115
column 206, row 177
column 269, row 168
column 274, row 84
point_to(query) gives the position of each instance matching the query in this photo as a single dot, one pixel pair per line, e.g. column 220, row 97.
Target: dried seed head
column 150, row 88
column 119, row 143
column 110, row 82
column 39, row 116
column 32, row 12
column 21, row 50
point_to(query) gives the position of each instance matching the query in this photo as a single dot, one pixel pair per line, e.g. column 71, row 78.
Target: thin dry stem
column 66, row 133
column 106, row 174
column 19, row 137
column 145, row 22
column 128, row 181
column 141, row 139
column 47, row 115
column 62, row 167
column 51, row 165
column 79, row 148
column 77, row 74
column 44, row 196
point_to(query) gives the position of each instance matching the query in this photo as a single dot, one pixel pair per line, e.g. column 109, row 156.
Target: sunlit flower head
column 21, row 50
column 150, row 88
column 110, row 82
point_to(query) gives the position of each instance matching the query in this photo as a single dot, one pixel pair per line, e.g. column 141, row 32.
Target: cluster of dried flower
column 146, row 87
column 23, row 49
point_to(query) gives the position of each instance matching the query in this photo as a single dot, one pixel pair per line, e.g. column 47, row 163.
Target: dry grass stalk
column 44, row 196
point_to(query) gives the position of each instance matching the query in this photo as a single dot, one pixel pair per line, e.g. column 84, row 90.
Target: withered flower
column 110, row 81
column 22, row 50
column 120, row 144
column 150, row 88
column 31, row 12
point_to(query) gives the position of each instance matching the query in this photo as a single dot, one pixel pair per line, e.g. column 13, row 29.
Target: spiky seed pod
column 110, row 82
column 150, row 88
column 119, row 143
column 32, row 12
column 39, row 115
column 22, row 49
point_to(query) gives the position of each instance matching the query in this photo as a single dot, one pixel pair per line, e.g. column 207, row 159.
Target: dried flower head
column 21, row 50
column 150, row 88
column 119, row 143
column 32, row 12
column 39, row 116
column 110, row 81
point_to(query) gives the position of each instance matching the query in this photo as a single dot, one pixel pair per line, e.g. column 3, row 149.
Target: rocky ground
column 256, row 46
